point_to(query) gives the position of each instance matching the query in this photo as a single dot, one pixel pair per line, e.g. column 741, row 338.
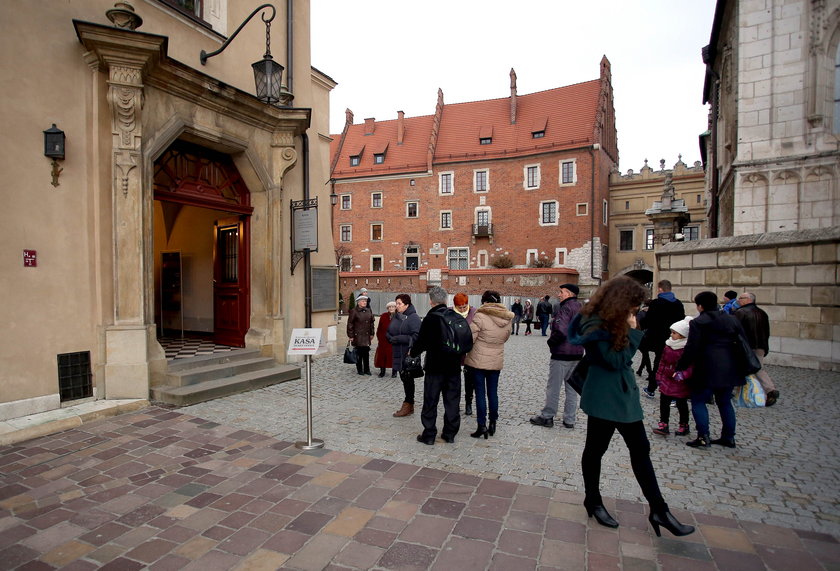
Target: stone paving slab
column 161, row 489
column 785, row 470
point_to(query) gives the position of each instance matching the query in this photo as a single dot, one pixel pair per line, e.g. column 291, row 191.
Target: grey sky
column 393, row 55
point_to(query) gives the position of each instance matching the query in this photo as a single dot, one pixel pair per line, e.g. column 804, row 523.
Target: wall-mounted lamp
column 54, row 149
column 333, row 198
column 268, row 74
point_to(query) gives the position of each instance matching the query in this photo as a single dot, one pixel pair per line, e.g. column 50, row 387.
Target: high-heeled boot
column 601, row 515
column 491, row 428
column 481, row 431
column 381, row 372
column 668, row 521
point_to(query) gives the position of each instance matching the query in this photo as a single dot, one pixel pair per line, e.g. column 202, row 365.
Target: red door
column 231, row 302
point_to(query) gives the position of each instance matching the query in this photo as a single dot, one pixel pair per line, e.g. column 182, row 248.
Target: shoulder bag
column 350, row 356
column 578, row 377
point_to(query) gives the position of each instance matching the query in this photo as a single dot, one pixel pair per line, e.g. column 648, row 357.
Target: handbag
column 750, row 394
column 350, row 356
column 578, row 377
column 749, row 364
column 412, row 367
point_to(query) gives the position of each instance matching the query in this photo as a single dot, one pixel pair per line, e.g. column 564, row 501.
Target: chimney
column 348, row 117
column 512, row 96
column 369, row 125
column 400, row 127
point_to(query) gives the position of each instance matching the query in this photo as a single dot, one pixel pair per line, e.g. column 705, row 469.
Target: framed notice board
column 324, row 288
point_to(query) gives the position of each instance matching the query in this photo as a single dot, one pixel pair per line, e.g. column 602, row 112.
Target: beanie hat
column 571, row 287
column 681, row 326
column 731, row 294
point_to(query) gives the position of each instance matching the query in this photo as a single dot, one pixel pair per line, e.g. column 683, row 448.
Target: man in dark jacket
column 756, row 325
column 544, row 313
column 564, row 358
column 662, row 312
column 443, row 374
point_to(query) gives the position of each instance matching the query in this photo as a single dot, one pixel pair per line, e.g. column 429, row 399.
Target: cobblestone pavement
column 784, row 471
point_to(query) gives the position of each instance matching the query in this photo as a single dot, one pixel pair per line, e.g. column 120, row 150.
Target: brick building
column 449, row 198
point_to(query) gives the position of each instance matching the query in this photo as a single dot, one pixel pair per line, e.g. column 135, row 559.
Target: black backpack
column 456, row 336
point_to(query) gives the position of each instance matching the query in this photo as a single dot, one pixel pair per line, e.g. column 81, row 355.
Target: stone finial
column 662, row 164
column 122, row 15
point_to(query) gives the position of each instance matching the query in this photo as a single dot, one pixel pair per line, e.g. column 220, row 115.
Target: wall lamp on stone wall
column 54, row 149
column 268, row 74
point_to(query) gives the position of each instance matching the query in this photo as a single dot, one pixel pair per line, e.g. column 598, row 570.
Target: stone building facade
column 523, row 179
column 166, row 160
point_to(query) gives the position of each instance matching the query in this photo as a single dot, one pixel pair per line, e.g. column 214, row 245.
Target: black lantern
column 54, row 143
column 268, row 77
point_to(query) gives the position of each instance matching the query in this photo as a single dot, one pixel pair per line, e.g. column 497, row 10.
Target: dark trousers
column 665, row 408
column 543, row 323
column 528, row 326
column 645, row 365
column 408, row 387
column 652, row 384
column 598, row 435
column 469, row 385
column 435, row 385
column 363, row 361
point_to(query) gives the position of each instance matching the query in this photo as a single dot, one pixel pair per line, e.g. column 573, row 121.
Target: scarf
column 464, row 314
column 676, row 344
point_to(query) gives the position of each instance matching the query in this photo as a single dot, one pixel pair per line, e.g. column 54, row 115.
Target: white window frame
column 417, row 209
column 373, row 199
column 355, row 160
column 441, row 176
column 415, row 254
column 381, row 231
column 381, row 263
column 585, row 209
column 378, row 158
column 349, row 228
column 482, row 258
column 449, row 257
column 606, row 213
column 486, row 180
column 632, row 239
column 349, row 264
column 531, row 255
column 574, row 172
column 349, row 199
column 525, row 176
column 486, row 209
column 557, row 253
column 650, row 232
column 556, row 213
column 440, row 220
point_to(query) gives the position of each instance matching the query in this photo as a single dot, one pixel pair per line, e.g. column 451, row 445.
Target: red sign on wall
column 30, row 259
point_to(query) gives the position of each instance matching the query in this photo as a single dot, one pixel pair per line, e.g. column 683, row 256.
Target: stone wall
column 794, row 276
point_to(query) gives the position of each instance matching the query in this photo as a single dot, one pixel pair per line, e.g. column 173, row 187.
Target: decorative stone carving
column 287, row 157
column 124, row 163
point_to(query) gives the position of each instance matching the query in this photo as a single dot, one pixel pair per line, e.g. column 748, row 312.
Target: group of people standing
column 526, row 313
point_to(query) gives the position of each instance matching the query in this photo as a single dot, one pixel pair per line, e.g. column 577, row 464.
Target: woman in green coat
column 606, row 327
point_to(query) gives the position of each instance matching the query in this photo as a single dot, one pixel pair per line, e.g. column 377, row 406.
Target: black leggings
column 408, row 387
column 363, row 359
column 665, row 408
column 598, row 435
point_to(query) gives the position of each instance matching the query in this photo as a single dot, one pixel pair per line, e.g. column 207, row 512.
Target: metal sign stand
column 310, row 443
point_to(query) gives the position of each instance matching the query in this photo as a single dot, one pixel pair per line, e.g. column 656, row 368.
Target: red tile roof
column 566, row 114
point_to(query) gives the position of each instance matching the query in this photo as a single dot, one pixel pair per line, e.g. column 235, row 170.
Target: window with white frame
column 548, row 213
column 582, row 208
column 568, row 172
column 482, row 258
column 412, row 209
column 346, row 233
column 412, row 257
column 481, row 181
column 376, row 263
column 531, row 256
column 649, row 238
column 459, row 258
column 532, row 176
column 346, row 264
column 376, row 200
column 376, row 232
column 625, row 240
column 446, row 220
column 560, row 256
column 346, row 202
column 606, row 213
column 446, row 182
column 482, row 217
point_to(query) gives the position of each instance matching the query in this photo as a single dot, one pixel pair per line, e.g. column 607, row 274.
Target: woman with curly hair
column 606, row 327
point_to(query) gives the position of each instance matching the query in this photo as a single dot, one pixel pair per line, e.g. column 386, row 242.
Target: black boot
column 481, row 431
column 491, row 428
column 601, row 515
column 702, row 441
column 382, row 372
column 669, row 522
column 468, row 409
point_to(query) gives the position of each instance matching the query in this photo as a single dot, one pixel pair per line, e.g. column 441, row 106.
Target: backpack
column 456, row 335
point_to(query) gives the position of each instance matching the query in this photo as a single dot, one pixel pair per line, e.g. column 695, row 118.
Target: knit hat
column 571, row 287
column 681, row 326
column 362, row 298
column 731, row 294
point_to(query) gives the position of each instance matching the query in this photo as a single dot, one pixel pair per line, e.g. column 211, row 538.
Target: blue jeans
column 723, row 399
column 486, row 390
column 544, row 323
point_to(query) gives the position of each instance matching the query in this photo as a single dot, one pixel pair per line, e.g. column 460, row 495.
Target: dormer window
column 379, row 158
column 538, row 128
column 485, row 140
column 485, row 135
column 355, row 160
column 538, row 134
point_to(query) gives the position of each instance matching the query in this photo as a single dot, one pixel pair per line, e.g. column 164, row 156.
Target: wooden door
column 231, row 299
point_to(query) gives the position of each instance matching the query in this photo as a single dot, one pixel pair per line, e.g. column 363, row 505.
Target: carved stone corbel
column 284, row 154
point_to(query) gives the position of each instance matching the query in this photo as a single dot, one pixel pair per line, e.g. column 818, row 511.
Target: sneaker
column 699, row 442
column 662, row 429
column 648, row 394
column 540, row 421
column 772, row 397
column 682, row 430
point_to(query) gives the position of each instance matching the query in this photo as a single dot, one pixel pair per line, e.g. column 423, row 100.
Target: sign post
column 306, row 342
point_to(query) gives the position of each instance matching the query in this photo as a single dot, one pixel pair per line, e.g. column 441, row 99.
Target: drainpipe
column 290, row 51
column 592, row 275
column 307, row 277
